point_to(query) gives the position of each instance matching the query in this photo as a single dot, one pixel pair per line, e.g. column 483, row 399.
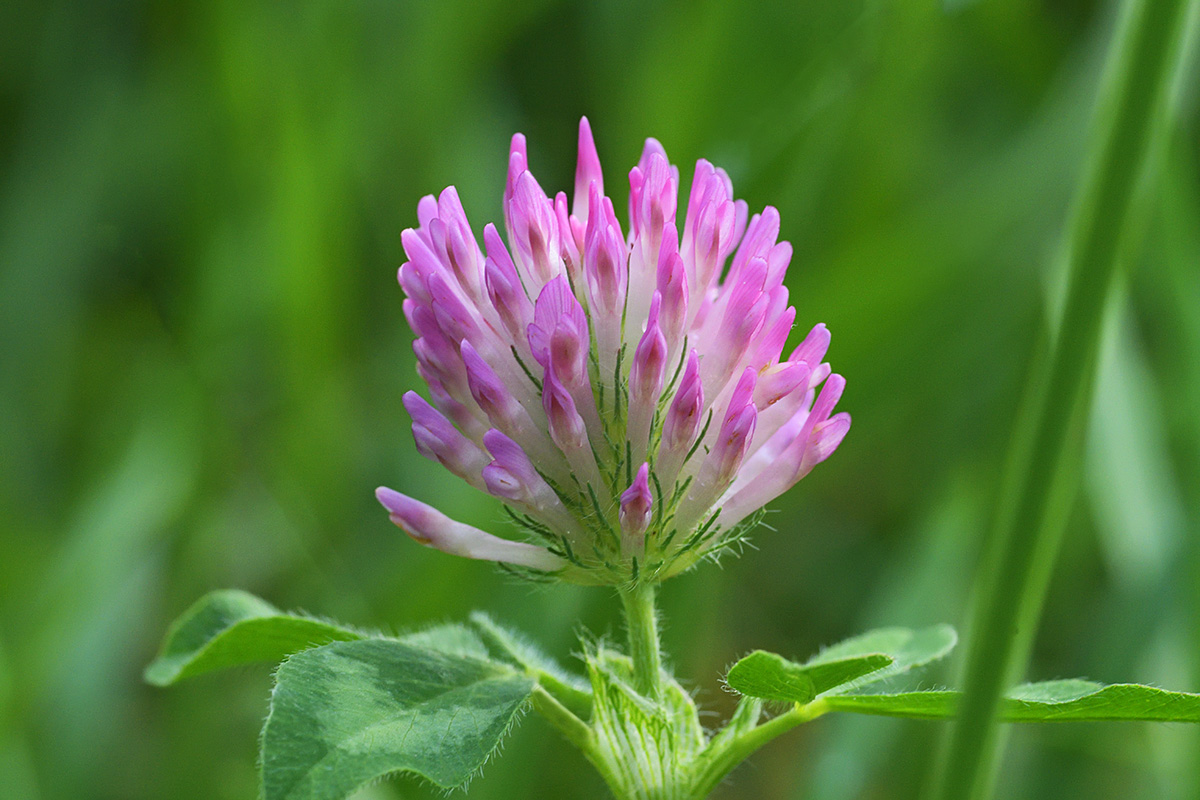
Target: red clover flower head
column 624, row 395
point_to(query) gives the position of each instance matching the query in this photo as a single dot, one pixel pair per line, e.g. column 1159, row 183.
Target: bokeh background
column 202, row 356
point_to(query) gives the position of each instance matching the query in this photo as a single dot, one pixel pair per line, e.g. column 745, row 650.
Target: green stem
column 641, row 623
column 578, row 701
column 1044, row 474
column 1181, row 293
column 738, row 749
column 576, row 730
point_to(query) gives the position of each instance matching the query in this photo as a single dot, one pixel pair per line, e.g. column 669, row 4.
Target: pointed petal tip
column 403, row 511
column 812, row 350
column 640, row 488
column 392, row 500
column 449, row 195
column 653, row 147
column 411, row 400
column 641, row 482
column 827, row 399
column 828, row 436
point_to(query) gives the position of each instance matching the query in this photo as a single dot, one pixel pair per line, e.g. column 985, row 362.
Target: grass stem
column 1044, row 472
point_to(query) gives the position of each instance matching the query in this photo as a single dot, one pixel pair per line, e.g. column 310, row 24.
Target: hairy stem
column 736, row 750
column 641, row 624
column 572, row 727
column 578, row 733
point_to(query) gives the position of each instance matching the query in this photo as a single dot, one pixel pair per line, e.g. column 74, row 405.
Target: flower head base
column 624, row 395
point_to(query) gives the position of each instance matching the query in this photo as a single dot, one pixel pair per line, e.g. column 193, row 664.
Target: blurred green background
column 202, row 356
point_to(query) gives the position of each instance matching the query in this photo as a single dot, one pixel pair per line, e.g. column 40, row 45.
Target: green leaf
column 348, row 713
column 452, row 639
column 1051, row 701
column 908, row 649
column 511, row 646
column 828, row 675
column 772, row 677
column 864, row 659
column 229, row 628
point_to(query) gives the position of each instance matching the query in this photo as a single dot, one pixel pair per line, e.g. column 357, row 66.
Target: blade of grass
column 1179, row 298
column 1044, row 472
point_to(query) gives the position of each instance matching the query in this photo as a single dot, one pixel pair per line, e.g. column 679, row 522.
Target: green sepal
column 639, row 741
column 349, row 713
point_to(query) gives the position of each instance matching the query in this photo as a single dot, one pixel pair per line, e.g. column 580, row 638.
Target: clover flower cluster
column 624, row 394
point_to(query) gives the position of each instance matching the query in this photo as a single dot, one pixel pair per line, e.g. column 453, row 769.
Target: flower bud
column 646, row 381
column 504, row 287
column 636, row 507
column 683, row 421
column 430, row 527
column 587, row 172
column 438, row 440
column 534, row 232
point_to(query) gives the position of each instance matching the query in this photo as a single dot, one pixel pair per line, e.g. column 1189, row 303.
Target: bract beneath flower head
column 626, row 397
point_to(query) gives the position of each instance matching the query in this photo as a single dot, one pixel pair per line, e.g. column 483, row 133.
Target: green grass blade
column 1143, row 59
